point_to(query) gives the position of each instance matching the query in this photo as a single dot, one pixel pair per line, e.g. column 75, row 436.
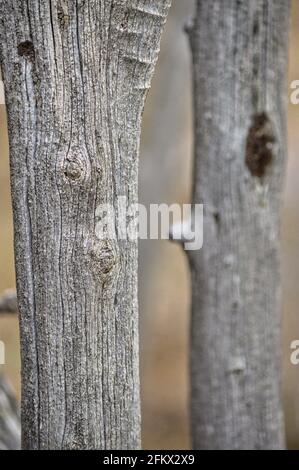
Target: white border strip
column 2, row 99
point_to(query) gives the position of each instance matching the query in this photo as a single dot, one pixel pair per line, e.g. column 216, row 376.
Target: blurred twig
column 9, row 302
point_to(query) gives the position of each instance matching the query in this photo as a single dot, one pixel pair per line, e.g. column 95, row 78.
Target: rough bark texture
column 240, row 51
column 10, row 426
column 76, row 75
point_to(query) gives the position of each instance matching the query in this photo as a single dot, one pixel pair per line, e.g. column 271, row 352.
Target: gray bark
column 76, row 75
column 240, row 51
column 10, row 426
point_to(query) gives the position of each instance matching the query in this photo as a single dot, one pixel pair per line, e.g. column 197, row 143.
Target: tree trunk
column 240, row 51
column 76, row 75
column 10, row 428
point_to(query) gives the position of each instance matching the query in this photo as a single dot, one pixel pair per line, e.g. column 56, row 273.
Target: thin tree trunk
column 10, row 426
column 240, row 51
column 76, row 76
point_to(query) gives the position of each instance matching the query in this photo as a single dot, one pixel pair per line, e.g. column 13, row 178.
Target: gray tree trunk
column 240, row 51
column 10, row 426
column 76, row 75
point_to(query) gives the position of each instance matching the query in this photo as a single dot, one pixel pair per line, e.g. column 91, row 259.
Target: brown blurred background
column 165, row 176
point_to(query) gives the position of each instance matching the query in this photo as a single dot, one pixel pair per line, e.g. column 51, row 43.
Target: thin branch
column 8, row 302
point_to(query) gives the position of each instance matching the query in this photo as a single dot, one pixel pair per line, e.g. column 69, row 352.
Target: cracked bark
column 76, row 75
column 240, row 51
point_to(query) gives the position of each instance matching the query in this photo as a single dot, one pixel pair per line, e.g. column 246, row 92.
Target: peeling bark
column 76, row 74
column 240, row 51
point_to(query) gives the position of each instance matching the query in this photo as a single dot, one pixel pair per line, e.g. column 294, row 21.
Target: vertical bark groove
column 74, row 106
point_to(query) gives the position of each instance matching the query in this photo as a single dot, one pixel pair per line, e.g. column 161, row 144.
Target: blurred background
column 164, row 291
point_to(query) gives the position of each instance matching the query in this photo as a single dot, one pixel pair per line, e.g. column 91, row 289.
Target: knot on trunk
column 260, row 145
column 73, row 170
column 76, row 166
column 26, row 49
column 105, row 258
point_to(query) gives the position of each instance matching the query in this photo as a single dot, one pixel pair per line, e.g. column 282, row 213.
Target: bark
column 240, row 51
column 76, row 75
column 10, row 428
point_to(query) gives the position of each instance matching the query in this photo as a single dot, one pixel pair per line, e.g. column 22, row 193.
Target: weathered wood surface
column 240, row 51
